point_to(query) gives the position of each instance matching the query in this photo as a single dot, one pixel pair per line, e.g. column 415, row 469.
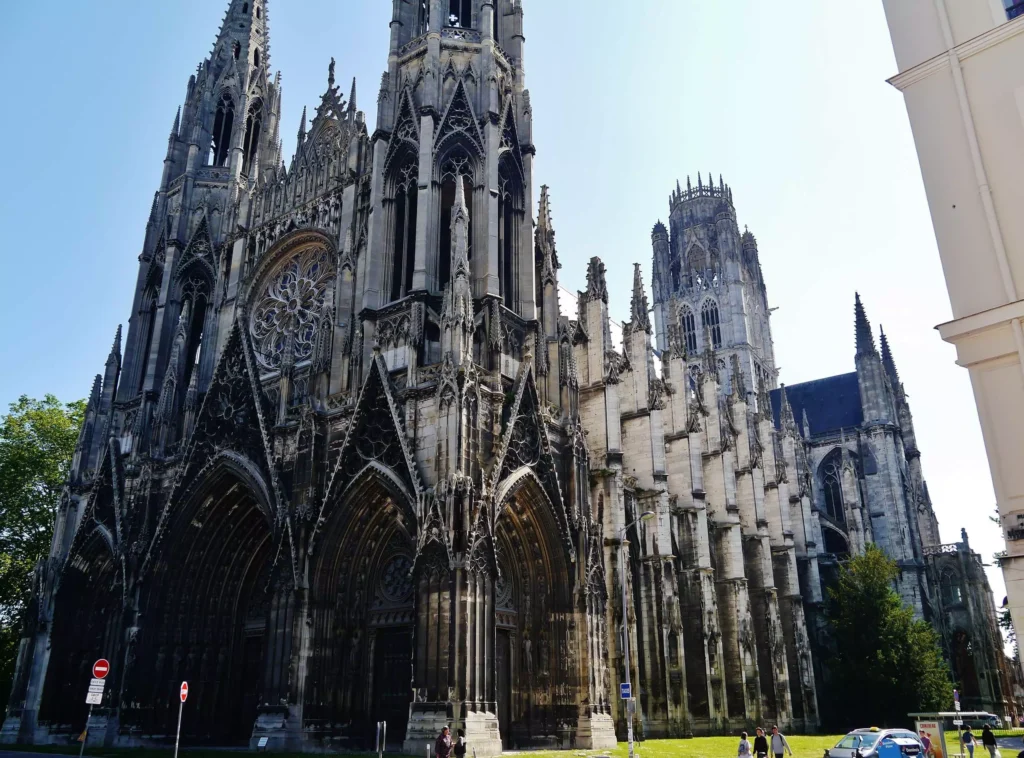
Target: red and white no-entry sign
column 184, row 691
column 101, row 668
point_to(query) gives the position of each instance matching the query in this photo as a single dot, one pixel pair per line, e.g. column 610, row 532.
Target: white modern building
column 961, row 72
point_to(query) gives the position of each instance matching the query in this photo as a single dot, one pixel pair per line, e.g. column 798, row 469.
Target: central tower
column 452, row 108
column 709, row 292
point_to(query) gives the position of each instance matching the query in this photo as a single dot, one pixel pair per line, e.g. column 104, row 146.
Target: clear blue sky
column 787, row 101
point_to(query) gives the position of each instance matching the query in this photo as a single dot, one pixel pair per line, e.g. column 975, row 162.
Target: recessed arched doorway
column 86, row 627
column 536, row 654
column 204, row 607
column 362, row 606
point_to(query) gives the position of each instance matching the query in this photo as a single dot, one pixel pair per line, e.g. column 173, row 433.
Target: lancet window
column 223, row 123
column 510, row 215
column 460, row 14
column 253, row 128
column 195, row 298
column 423, row 18
column 710, row 321
column 148, row 315
column 404, row 199
column 949, row 588
column 457, row 164
column 831, row 474
column 689, row 324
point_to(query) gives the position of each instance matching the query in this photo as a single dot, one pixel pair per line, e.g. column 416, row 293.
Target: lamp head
column 647, row 515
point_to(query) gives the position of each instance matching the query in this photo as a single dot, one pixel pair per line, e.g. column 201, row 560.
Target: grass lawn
column 699, row 747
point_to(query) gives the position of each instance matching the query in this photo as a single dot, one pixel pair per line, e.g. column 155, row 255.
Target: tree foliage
column 885, row 663
column 37, row 442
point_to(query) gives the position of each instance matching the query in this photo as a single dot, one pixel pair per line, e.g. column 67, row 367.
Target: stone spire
column 888, row 362
column 545, row 238
column 115, row 349
column 246, row 23
column 302, row 127
column 865, row 339
column 352, row 96
column 786, row 418
column 638, row 305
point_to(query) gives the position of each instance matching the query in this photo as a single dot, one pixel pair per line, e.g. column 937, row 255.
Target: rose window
column 287, row 310
column 396, row 579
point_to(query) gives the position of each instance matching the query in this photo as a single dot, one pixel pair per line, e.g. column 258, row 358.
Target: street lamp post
column 646, row 516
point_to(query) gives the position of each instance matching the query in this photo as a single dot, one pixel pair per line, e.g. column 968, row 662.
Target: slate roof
column 832, row 403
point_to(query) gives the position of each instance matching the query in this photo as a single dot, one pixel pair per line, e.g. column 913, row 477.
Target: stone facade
column 363, row 458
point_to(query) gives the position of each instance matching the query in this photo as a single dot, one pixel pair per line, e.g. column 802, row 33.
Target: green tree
column 37, row 442
column 884, row 663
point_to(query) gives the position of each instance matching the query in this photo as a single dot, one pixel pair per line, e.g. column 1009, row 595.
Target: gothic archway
column 362, row 604
column 204, row 612
column 86, row 626
column 537, row 648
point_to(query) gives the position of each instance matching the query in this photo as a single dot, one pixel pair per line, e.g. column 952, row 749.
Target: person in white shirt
column 779, row 745
column 744, row 749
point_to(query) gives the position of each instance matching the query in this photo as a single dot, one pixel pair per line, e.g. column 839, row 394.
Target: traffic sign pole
column 94, row 696
column 183, row 695
column 85, row 734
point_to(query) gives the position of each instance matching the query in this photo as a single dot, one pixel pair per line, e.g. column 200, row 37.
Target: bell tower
column 452, row 107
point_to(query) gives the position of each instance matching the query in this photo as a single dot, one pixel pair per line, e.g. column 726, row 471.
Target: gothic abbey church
column 363, row 459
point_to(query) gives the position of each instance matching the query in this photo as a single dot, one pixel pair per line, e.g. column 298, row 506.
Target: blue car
column 877, row 743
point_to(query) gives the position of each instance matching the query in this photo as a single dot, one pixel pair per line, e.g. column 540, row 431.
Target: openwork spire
column 638, row 305
column 865, row 339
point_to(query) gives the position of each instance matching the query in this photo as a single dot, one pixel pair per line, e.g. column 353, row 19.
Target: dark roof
column 832, row 403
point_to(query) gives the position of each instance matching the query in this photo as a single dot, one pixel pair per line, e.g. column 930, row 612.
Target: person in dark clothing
column 988, row 740
column 443, row 746
column 459, row 750
column 760, row 744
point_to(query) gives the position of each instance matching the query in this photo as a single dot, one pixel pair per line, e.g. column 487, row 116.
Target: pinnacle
column 865, row 339
column 887, row 360
column 352, row 96
column 544, row 211
column 116, row 348
column 638, row 305
column 786, row 419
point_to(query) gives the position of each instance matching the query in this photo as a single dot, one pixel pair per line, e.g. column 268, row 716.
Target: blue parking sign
column 625, row 691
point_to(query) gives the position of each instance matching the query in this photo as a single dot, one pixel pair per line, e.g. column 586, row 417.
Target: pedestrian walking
column 443, row 746
column 760, row 744
column 989, row 740
column 969, row 741
column 459, row 750
column 744, row 748
column 779, row 745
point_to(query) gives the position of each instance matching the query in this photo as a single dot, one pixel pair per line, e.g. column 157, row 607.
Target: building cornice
column 964, row 50
column 952, row 331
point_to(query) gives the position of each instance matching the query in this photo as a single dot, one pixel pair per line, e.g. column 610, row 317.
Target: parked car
column 877, row 743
